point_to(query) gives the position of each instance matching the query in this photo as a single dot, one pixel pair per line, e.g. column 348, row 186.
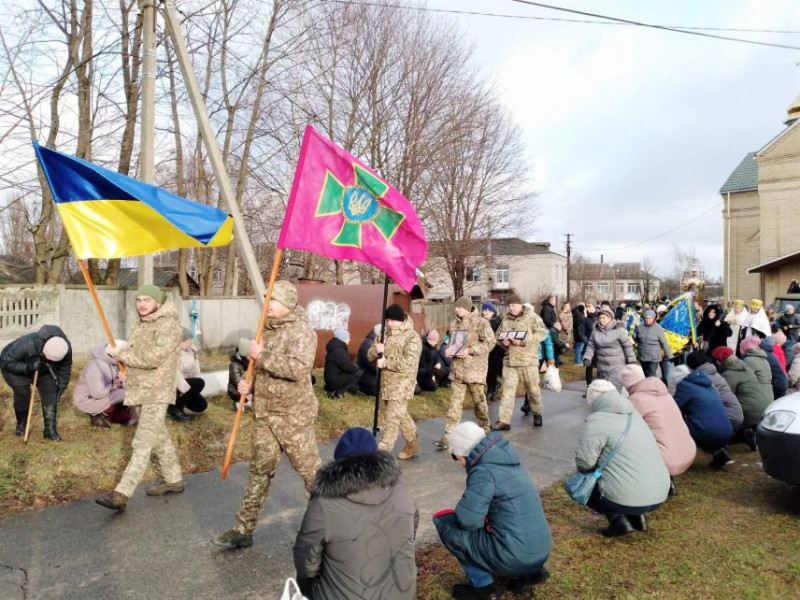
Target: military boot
column 233, row 539
column 165, row 488
column 442, row 444
column 113, row 500
column 50, row 414
column 22, row 419
column 410, row 450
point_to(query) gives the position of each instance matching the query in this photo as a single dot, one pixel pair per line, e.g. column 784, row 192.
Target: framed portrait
column 458, row 341
column 502, row 335
column 520, row 335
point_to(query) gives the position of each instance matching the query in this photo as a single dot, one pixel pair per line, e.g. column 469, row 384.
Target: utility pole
column 148, row 131
column 569, row 260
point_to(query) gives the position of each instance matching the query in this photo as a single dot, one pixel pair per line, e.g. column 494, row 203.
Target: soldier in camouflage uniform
column 468, row 368
column 284, row 408
column 521, row 361
column 398, row 359
column 151, row 359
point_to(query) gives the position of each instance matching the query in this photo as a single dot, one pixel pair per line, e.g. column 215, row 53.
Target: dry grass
column 729, row 535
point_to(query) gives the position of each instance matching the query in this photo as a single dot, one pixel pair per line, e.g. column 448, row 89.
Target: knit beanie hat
column 464, row 302
column 120, row 345
column 356, row 440
column 395, row 312
column 152, row 291
column 649, row 313
column 756, row 304
column 779, row 338
column 488, row 306
column 721, row 353
column 341, row 334
column 243, row 348
column 749, row 343
column 631, row 375
column 796, row 349
column 55, row 349
column 433, row 336
column 597, row 389
column 514, row 299
column 465, row 437
column 186, row 334
column 606, row 311
column 285, row 293
column 696, row 359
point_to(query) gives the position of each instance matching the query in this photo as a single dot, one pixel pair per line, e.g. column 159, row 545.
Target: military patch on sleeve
column 162, row 340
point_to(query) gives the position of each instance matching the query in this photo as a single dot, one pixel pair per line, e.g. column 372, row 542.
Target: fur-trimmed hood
column 363, row 478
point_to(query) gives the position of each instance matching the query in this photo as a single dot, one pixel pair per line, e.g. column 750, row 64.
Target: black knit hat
column 395, row 312
column 695, row 359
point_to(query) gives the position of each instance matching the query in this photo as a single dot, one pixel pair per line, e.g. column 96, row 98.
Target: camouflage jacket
column 527, row 353
column 152, row 357
column 283, row 369
column 402, row 348
column 480, row 341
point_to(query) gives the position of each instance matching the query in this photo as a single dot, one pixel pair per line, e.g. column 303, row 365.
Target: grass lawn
column 731, row 535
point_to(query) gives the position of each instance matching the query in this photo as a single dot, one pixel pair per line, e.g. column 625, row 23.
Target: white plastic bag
column 552, row 380
column 291, row 591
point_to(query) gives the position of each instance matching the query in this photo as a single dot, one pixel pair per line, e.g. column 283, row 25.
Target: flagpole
column 96, row 300
column 378, row 376
column 249, row 374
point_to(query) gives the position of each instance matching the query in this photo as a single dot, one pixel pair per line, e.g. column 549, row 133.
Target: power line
column 653, row 26
column 655, row 237
column 453, row 11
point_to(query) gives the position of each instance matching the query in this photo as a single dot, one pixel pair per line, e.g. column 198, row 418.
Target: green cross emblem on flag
column 361, row 205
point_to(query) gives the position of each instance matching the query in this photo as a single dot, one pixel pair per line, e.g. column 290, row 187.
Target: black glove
column 34, row 366
column 587, row 363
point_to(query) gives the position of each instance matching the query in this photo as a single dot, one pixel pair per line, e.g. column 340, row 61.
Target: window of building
column 633, row 288
column 473, row 274
column 602, row 288
column 620, row 288
column 502, row 274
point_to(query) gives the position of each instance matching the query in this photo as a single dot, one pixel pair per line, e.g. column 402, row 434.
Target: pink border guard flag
column 341, row 209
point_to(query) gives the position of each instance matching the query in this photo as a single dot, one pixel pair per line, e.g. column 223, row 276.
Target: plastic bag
column 291, row 591
column 552, row 380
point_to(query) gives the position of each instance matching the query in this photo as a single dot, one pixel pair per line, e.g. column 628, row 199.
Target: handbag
column 291, row 591
column 552, row 380
column 580, row 486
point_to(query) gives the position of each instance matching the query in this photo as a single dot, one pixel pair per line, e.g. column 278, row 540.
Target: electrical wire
column 655, row 237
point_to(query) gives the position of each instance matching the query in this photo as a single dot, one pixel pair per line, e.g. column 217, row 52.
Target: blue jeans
column 666, row 369
column 476, row 576
column 579, row 346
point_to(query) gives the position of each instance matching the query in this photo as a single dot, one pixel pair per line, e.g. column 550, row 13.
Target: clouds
column 632, row 130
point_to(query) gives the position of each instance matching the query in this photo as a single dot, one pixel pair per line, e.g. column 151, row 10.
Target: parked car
column 778, row 437
column 779, row 306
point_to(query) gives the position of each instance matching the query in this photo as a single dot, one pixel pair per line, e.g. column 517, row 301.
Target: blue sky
column 632, row 131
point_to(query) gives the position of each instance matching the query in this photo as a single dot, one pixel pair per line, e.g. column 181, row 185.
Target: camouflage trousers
column 272, row 435
column 478, row 395
column 530, row 379
column 151, row 437
column 395, row 399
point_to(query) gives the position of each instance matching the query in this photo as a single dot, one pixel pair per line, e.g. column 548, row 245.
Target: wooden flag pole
column 96, row 300
column 248, row 377
column 30, row 406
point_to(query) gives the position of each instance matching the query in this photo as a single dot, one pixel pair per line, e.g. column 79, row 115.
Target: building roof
column 744, row 177
column 776, row 263
column 496, row 247
column 596, row 271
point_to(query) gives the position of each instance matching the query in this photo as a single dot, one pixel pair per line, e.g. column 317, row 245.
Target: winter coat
column 713, row 334
column 781, row 356
column 546, row 351
column 369, row 377
column 566, row 321
column 500, row 494
column 98, row 385
column 480, row 341
column 588, row 326
column 18, row 357
column 650, row 340
column 651, row 399
column 703, row 412
column 283, row 369
column 611, row 349
column 779, row 380
column 756, row 359
column 401, row 350
column 152, row 357
column 526, row 354
column 428, row 359
column 794, row 376
column 548, row 314
column 578, row 322
column 636, row 475
column 729, row 400
column 357, row 536
column 237, row 368
column 790, row 325
column 497, row 352
column 339, row 367
column 188, row 368
column 744, row 384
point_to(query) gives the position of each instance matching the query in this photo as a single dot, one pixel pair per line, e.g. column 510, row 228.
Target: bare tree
column 647, row 278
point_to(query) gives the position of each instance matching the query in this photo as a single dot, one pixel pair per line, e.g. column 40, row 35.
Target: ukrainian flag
column 109, row 215
column 680, row 323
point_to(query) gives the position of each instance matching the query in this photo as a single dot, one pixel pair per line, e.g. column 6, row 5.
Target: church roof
column 744, row 177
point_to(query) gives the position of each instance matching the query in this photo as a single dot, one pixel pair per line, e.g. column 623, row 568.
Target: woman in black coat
column 368, row 384
column 341, row 373
column 713, row 330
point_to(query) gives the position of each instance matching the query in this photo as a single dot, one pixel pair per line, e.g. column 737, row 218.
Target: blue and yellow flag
column 680, row 323
column 109, row 215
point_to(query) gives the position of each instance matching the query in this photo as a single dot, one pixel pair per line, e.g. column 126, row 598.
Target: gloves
column 34, row 366
column 587, row 363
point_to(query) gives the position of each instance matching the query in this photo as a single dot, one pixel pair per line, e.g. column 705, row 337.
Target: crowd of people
column 652, row 407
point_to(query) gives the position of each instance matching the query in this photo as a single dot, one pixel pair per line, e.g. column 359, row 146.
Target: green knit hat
column 152, row 291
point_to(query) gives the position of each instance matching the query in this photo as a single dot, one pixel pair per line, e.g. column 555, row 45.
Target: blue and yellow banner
column 109, row 215
column 680, row 324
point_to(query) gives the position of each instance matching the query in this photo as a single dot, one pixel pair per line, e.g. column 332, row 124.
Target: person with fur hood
column 610, row 347
column 358, row 533
column 713, row 330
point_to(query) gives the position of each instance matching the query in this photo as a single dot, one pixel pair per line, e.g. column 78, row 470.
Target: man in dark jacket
column 489, row 313
column 498, row 526
column 49, row 353
column 432, row 370
column 358, row 533
column 341, row 373
column 588, row 327
column 578, row 334
column 368, row 384
column 789, row 322
column 237, row 368
column 548, row 312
